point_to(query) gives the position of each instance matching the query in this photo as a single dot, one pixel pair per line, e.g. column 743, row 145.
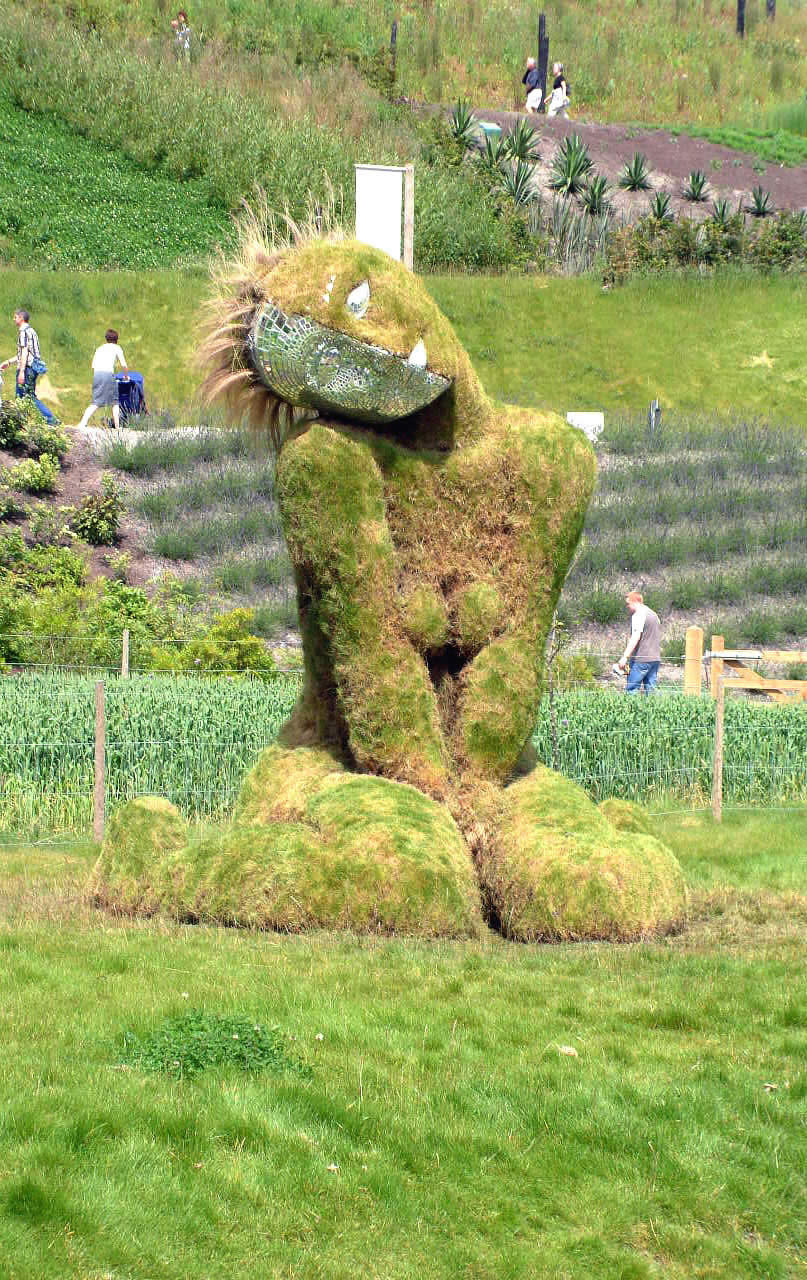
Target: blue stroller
column 131, row 396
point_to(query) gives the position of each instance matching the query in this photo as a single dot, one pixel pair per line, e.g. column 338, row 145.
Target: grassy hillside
column 716, row 344
column 626, row 60
column 466, row 1109
column 66, row 201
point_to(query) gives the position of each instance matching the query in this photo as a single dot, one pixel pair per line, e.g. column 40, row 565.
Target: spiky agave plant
column 494, row 156
column 696, row 187
column 721, row 214
column 660, row 208
column 635, row 176
column 571, row 165
column 522, row 144
column 518, row 182
column 761, row 205
column 462, row 125
column 594, row 196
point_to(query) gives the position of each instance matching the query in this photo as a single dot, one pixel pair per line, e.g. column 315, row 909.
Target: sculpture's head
column 335, row 328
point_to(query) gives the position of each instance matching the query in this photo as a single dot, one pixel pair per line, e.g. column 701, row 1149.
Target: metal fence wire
column 192, row 741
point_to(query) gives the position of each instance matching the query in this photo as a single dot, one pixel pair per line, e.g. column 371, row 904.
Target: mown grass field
column 445, row 1127
column 547, row 341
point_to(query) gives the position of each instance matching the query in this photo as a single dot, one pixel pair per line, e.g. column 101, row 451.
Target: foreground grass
column 443, row 1131
column 545, row 341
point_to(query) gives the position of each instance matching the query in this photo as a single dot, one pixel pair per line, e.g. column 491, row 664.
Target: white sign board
column 379, row 207
column 591, row 424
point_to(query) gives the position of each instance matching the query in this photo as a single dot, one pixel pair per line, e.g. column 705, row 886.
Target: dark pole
column 393, row 49
column 543, row 57
column 770, row 6
column 741, row 18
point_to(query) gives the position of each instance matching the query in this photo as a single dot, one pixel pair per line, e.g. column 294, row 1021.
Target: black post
column 393, row 49
column 741, row 18
column 770, row 6
column 543, row 57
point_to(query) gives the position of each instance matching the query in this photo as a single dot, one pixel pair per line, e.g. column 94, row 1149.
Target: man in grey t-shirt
column 643, row 650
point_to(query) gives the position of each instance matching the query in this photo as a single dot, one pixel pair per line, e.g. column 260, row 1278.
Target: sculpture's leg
column 360, row 671
column 498, row 705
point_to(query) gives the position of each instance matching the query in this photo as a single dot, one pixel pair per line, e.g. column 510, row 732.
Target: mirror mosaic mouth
column 311, row 365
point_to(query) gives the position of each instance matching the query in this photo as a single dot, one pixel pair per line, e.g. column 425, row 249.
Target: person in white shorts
column 104, row 384
column 558, row 100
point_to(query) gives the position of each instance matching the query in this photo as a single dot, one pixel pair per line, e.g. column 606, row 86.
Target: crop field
column 192, row 739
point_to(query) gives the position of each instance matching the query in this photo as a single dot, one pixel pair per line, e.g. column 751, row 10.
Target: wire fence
column 193, row 740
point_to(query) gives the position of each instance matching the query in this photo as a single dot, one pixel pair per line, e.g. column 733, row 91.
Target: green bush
column 781, row 242
column 230, row 645
column 97, row 519
column 40, row 437
column 32, row 475
column 12, row 423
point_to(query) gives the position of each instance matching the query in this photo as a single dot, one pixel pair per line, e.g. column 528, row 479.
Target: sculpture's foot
column 555, row 867
column 311, row 846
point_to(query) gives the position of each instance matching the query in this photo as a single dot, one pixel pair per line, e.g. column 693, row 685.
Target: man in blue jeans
column 643, row 650
column 29, row 364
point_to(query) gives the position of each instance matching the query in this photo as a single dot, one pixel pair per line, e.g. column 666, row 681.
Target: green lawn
column 720, row 343
column 66, row 201
column 443, row 1131
column 725, row 342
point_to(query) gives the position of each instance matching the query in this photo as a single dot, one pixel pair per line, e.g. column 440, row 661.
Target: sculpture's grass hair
column 239, row 276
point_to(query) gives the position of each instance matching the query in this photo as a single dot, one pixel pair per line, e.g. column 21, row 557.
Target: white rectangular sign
column 379, row 207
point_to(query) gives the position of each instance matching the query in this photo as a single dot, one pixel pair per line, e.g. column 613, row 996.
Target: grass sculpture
column 430, row 532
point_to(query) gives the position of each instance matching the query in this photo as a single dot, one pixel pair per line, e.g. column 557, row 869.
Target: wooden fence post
column 100, row 764
column 741, row 18
column 770, row 7
column 543, row 57
column 692, row 661
column 409, row 217
column 716, row 664
column 717, row 763
column 124, row 657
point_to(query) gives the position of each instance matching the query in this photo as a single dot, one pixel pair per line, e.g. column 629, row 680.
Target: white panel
column 592, row 424
column 379, row 201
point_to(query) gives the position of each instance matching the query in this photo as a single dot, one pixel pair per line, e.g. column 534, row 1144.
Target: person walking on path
column 531, row 81
column 182, row 36
column 558, row 100
column 642, row 654
column 104, row 382
column 29, row 364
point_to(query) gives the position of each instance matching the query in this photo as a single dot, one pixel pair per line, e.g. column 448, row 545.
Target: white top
column 104, row 359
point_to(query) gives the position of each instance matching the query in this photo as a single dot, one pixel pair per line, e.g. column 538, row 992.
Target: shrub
column 594, row 196
column 521, row 144
column 781, row 242
column 51, row 526
column 760, row 206
column 12, row 423
column 635, row 176
column 696, row 187
column 463, row 126
column 571, row 166
column 40, row 437
column 9, row 505
column 230, row 645
column 32, row 476
column 98, row 518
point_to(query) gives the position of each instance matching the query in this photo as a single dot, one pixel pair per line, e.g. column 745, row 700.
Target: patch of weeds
column 98, row 518
column 185, row 1046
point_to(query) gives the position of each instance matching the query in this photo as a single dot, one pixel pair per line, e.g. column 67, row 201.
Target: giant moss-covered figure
column 430, row 532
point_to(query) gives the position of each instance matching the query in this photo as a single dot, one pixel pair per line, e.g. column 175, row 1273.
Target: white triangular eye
column 359, row 300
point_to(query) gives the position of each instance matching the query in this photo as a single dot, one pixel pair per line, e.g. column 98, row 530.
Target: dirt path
column 672, row 157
